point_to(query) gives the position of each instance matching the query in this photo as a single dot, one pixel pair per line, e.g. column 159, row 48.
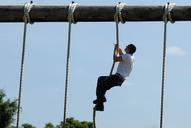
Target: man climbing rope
column 125, row 66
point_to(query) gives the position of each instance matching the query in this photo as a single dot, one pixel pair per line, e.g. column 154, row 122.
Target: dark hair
column 132, row 48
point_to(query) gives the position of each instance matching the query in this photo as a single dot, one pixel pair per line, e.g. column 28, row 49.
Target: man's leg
column 100, row 94
column 99, row 106
column 100, row 90
column 105, row 83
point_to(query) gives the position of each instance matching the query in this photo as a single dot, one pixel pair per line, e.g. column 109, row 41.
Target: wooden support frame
column 58, row 13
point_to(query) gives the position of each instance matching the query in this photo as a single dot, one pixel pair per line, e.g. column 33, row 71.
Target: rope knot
column 71, row 10
column 167, row 12
column 27, row 9
column 118, row 12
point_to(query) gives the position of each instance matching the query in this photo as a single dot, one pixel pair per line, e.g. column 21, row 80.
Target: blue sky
column 136, row 104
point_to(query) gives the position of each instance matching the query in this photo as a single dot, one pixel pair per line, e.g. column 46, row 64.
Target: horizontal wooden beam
column 46, row 13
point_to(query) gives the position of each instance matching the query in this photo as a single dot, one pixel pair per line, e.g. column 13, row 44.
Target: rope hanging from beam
column 167, row 16
column 118, row 18
column 26, row 18
column 71, row 10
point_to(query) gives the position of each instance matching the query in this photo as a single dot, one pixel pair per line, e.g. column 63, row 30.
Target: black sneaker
column 99, row 107
column 102, row 100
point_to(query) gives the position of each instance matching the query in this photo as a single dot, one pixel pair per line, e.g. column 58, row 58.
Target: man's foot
column 102, row 100
column 99, row 107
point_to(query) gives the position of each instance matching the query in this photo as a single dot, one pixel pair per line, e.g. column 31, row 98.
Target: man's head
column 131, row 49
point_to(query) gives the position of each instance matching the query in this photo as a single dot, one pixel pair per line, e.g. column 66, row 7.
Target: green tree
column 27, row 125
column 49, row 125
column 8, row 109
column 72, row 123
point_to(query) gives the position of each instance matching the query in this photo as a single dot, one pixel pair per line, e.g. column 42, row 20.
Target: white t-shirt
column 125, row 67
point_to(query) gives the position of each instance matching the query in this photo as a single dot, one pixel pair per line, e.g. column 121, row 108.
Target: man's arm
column 117, row 50
column 118, row 59
column 120, row 52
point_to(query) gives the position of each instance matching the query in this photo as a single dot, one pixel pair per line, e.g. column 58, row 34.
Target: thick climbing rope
column 26, row 18
column 94, row 118
column 71, row 20
column 118, row 18
column 167, row 16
